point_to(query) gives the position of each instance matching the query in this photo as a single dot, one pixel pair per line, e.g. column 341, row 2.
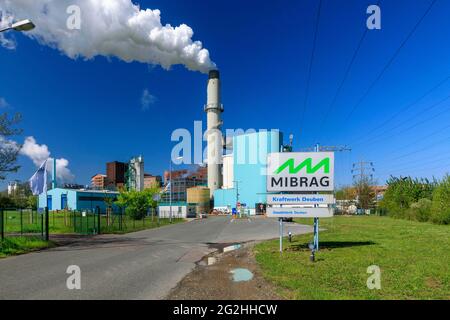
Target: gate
column 86, row 222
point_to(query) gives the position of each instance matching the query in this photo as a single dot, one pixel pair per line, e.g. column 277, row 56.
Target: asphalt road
column 141, row 265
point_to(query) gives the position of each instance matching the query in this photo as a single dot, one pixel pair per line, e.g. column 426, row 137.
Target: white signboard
column 300, row 199
column 300, row 171
column 285, row 212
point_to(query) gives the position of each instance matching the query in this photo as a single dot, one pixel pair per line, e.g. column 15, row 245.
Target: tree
column 365, row 192
column 9, row 150
column 137, row 203
column 346, row 193
column 402, row 192
column 441, row 202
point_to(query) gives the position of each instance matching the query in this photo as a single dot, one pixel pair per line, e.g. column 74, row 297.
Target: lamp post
column 170, row 181
column 21, row 26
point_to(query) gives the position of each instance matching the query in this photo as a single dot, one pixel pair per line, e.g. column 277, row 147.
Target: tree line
column 418, row 199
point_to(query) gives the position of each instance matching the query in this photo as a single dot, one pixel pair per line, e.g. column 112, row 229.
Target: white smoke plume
column 110, row 28
column 39, row 153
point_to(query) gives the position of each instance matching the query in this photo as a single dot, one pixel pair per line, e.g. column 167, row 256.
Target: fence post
column 47, row 231
column 21, row 221
column 42, row 225
column 98, row 220
column 2, row 226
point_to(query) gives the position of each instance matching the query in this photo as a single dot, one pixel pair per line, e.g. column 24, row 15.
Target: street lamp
column 171, row 185
column 21, row 26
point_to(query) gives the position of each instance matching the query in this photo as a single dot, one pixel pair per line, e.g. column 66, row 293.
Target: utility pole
column 236, row 182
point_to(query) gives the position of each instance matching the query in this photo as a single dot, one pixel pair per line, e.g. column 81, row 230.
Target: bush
column 441, row 202
column 136, row 203
column 421, row 210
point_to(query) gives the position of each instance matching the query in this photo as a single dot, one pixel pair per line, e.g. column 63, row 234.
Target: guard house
column 79, row 199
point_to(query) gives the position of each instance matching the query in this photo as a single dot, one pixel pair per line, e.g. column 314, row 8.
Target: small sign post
column 308, row 172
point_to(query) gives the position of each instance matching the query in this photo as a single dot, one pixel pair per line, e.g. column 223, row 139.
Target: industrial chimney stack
column 214, row 109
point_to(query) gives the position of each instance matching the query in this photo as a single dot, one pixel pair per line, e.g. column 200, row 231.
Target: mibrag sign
column 305, row 171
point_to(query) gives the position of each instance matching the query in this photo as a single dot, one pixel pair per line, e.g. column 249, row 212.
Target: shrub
column 441, row 202
column 421, row 210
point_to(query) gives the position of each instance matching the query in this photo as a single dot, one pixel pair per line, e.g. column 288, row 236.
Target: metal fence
column 23, row 222
column 26, row 222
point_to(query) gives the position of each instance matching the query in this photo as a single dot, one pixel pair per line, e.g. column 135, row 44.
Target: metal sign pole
column 281, row 235
column 316, row 220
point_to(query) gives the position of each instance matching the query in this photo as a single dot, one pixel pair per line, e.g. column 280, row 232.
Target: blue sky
column 90, row 112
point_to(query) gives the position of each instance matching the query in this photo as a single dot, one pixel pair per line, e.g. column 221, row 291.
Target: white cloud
column 111, row 28
column 6, row 21
column 39, row 153
column 3, row 103
column 147, row 99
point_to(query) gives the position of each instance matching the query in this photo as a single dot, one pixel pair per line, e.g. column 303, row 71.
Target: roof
column 99, row 174
column 90, row 191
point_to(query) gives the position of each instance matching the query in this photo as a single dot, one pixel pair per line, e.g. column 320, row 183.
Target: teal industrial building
column 244, row 171
column 70, row 199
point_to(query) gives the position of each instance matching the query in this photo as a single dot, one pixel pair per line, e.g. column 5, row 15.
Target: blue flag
column 38, row 182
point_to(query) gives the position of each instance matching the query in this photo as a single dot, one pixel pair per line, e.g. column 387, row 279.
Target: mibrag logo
column 307, row 163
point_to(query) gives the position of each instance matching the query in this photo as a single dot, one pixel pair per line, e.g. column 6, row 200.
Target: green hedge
column 418, row 199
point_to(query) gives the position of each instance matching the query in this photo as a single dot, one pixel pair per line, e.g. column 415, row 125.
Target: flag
column 38, row 182
column 167, row 188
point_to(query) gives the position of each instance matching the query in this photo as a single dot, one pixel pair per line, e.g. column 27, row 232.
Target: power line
column 423, row 149
column 386, row 67
column 409, row 106
column 374, row 139
column 426, row 137
column 347, row 72
column 311, row 62
column 416, row 166
column 421, row 169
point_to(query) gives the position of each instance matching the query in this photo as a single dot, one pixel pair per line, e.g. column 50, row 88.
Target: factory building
column 98, row 181
column 151, row 181
column 115, row 174
column 135, row 174
column 244, row 171
column 179, row 187
column 69, row 199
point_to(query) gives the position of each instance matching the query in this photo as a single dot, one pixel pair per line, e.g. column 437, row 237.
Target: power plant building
column 70, row 199
column 248, row 173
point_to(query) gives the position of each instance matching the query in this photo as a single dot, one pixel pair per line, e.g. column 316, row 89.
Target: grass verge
column 18, row 245
column 414, row 259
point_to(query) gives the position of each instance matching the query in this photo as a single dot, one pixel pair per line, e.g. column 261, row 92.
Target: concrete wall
column 178, row 211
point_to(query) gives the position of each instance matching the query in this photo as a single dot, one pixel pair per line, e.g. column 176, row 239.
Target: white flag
column 38, row 182
column 167, row 188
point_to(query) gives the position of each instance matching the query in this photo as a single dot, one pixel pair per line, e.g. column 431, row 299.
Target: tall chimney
column 214, row 109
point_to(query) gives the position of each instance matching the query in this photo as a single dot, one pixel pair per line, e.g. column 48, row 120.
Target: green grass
column 130, row 225
column 18, row 245
column 414, row 259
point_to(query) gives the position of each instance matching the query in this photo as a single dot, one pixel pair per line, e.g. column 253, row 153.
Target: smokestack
column 214, row 109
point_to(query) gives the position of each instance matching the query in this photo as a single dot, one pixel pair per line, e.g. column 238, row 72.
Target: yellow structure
column 200, row 198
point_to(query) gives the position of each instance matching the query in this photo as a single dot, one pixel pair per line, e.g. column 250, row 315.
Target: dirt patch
column 215, row 282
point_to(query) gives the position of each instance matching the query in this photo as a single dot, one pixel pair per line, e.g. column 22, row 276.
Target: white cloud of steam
column 111, row 28
column 39, row 153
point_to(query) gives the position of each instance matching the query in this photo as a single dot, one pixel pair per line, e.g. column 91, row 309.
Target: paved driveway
column 142, row 265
